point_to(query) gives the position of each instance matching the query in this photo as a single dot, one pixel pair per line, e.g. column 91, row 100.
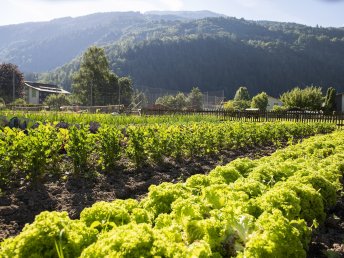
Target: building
column 340, row 102
column 36, row 92
column 273, row 102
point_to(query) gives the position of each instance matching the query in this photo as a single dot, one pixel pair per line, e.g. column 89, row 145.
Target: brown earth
column 328, row 239
column 19, row 205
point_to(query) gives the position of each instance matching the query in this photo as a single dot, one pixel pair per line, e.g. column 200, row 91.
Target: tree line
column 95, row 84
column 309, row 98
column 194, row 100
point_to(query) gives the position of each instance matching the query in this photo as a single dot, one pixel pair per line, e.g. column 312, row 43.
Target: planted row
column 248, row 208
column 44, row 150
column 103, row 119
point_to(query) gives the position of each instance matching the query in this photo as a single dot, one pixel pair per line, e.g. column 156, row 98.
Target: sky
column 326, row 13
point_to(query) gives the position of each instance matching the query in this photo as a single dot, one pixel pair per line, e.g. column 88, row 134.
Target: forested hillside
column 179, row 51
column 42, row 46
column 224, row 53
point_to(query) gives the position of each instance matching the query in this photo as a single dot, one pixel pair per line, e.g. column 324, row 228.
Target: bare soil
column 20, row 204
column 328, row 239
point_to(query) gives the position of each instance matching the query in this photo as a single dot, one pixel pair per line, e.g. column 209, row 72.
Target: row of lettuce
column 247, row 208
column 35, row 153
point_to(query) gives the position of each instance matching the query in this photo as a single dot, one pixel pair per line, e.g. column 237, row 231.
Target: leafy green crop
column 38, row 239
column 79, row 147
column 247, row 208
column 110, row 146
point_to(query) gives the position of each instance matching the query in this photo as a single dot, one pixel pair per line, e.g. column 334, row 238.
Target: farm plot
column 48, row 150
column 248, row 208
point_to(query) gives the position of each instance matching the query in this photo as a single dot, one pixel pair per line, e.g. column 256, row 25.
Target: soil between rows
column 20, row 205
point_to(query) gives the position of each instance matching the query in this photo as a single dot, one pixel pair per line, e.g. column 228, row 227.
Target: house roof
column 43, row 87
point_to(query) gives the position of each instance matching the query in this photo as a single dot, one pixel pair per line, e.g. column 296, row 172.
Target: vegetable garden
column 37, row 152
column 267, row 207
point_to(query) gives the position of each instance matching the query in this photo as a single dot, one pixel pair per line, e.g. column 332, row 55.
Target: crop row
column 34, row 153
column 248, row 208
column 108, row 119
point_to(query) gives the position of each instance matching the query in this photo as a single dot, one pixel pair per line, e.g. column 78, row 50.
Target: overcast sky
column 311, row 12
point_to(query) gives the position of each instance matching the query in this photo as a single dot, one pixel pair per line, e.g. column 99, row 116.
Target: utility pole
column 119, row 95
column 13, row 85
column 91, row 95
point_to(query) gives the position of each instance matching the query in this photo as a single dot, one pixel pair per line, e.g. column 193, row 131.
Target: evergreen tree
column 241, row 99
column 195, row 99
column 242, row 94
column 330, row 100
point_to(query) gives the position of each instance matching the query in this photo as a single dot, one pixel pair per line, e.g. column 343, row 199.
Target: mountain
column 190, row 15
column 225, row 53
column 43, row 46
column 177, row 51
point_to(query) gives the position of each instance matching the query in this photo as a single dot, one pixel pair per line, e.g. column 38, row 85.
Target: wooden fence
column 94, row 109
column 257, row 116
column 25, row 107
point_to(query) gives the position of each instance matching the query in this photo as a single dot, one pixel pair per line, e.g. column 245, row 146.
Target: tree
column 260, row 101
column 175, row 102
column 242, row 94
column 166, row 101
column 241, row 99
column 125, row 91
column 309, row 98
column 330, row 100
column 94, row 83
column 241, row 104
column 55, row 101
column 229, row 105
column 195, row 99
column 7, row 71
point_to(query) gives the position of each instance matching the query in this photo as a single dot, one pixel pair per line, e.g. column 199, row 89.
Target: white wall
column 33, row 99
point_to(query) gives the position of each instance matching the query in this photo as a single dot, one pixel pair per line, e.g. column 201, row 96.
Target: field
column 169, row 186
